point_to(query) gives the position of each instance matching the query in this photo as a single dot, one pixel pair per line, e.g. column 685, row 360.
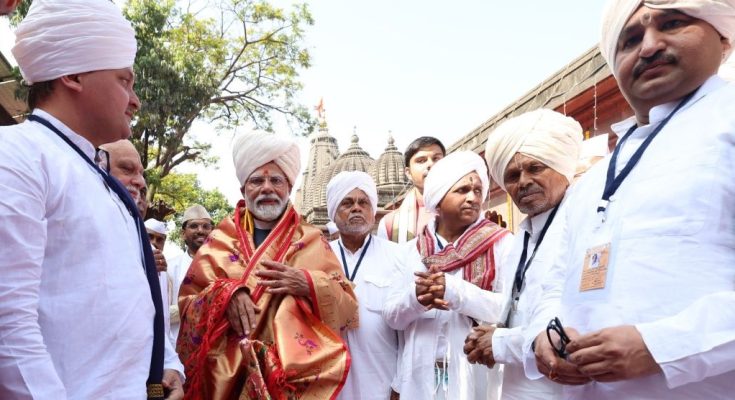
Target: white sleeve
column 26, row 368
column 508, row 345
column 697, row 343
column 170, row 358
column 382, row 229
column 547, row 307
column 401, row 307
column 468, row 299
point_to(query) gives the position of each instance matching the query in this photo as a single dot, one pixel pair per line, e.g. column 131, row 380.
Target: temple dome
column 323, row 152
column 389, row 173
column 354, row 159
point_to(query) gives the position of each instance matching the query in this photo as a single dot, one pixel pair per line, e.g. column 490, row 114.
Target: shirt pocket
column 675, row 194
column 375, row 290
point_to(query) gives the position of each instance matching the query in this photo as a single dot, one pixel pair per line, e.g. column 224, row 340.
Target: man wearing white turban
column 74, row 243
column 533, row 157
column 644, row 292
column 447, row 284
column 264, row 301
column 371, row 263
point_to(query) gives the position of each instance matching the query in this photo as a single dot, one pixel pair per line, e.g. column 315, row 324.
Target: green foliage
column 232, row 63
column 239, row 66
column 180, row 191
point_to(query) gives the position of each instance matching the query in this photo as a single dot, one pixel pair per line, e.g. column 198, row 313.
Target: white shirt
column 76, row 312
column 374, row 345
column 508, row 342
column 422, row 328
column 672, row 261
column 171, row 358
column 177, row 269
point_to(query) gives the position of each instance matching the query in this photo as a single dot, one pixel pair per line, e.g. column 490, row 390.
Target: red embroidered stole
column 474, row 253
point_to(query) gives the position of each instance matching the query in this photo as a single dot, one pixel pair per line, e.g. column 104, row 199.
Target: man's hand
column 612, row 354
column 241, row 313
column 430, row 290
column 160, row 260
column 245, row 350
column 478, row 346
column 282, row 279
column 552, row 366
column 172, row 382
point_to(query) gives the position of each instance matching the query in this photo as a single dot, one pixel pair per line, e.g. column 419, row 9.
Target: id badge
column 595, row 267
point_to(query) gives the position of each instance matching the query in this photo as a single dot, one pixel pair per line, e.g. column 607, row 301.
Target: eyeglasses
column 561, row 348
column 276, row 181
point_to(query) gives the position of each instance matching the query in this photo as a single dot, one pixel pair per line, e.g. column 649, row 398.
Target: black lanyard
column 156, row 370
column 359, row 260
column 438, row 242
column 612, row 183
column 131, row 207
column 522, row 263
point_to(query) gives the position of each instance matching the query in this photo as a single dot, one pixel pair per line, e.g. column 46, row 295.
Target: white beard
column 267, row 213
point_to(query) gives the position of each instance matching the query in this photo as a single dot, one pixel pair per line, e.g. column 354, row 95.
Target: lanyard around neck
column 132, row 208
column 359, row 260
column 438, row 242
column 522, row 263
column 612, row 182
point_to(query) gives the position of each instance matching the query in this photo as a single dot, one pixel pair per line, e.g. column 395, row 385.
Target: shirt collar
column 533, row 225
column 432, row 229
column 364, row 242
column 83, row 144
column 659, row 112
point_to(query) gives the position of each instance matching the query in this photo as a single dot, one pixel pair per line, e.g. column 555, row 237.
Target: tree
column 236, row 68
column 232, row 63
column 183, row 190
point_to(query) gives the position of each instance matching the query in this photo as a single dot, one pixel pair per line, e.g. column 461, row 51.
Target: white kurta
column 76, row 313
column 177, row 269
column 423, row 328
column 508, row 342
column 171, row 358
column 374, row 345
column 672, row 260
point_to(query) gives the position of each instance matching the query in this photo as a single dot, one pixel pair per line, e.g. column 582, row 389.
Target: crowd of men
column 619, row 284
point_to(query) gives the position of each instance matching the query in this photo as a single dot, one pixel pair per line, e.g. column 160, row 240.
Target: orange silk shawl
column 296, row 351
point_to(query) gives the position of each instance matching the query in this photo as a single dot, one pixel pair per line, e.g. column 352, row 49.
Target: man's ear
column 726, row 47
column 72, row 82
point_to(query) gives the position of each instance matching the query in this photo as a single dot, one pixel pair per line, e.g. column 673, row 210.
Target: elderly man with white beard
column 371, row 263
column 264, row 302
column 447, row 284
column 642, row 303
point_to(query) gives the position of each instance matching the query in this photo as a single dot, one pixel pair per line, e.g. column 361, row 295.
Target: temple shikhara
column 325, row 161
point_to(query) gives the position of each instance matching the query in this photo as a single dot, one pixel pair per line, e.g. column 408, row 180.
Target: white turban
column 548, row 136
column 63, row 37
column 255, row 149
column 718, row 13
column 157, row 226
column 447, row 172
column 345, row 182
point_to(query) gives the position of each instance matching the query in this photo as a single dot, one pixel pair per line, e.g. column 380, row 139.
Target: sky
column 417, row 67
